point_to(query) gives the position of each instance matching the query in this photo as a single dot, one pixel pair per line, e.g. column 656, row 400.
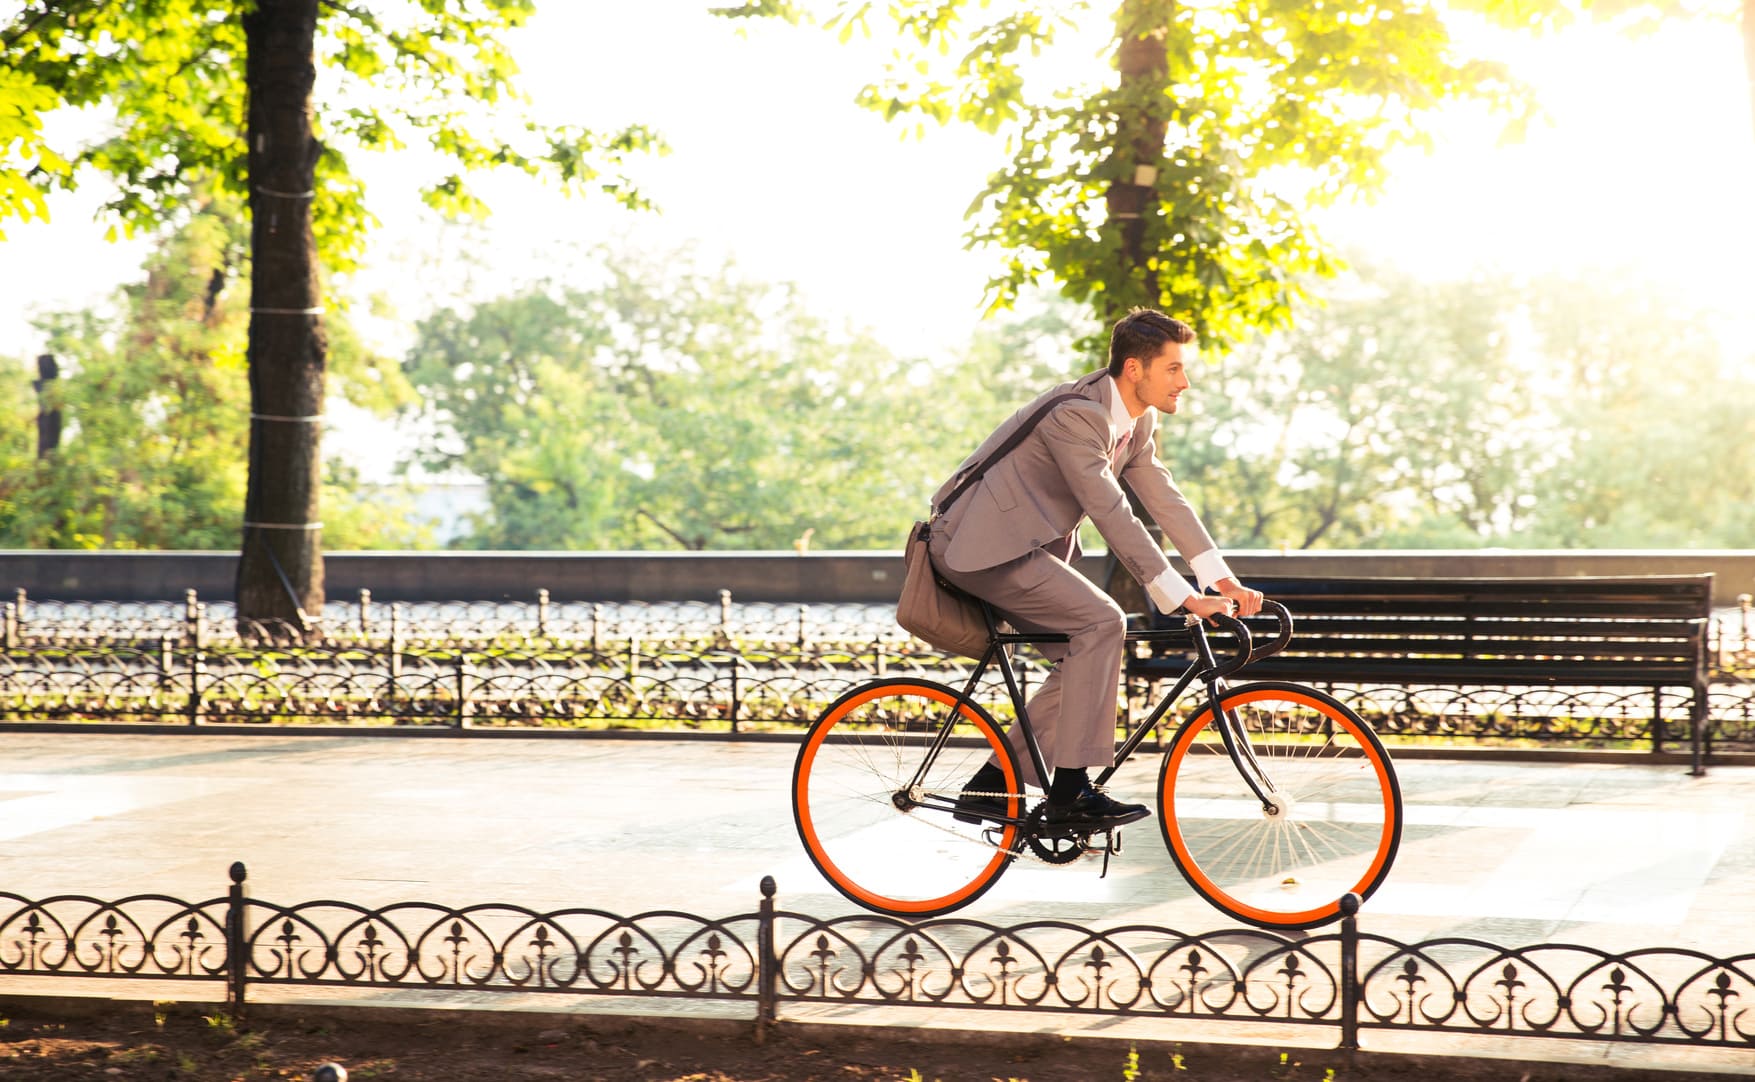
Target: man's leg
column 1044, row 712
column 1073, row 713
column 1076, row 707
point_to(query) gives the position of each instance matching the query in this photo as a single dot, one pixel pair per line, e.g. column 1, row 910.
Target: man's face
column 1162, row 379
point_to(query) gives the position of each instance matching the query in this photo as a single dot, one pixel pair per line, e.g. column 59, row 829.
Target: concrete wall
column 750, row 576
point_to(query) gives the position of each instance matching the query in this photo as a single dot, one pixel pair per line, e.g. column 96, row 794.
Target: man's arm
column 1157, row 491
column 1077, row 440
column 1170, row 591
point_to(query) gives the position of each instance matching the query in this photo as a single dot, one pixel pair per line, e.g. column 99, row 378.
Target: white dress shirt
column 1169, row 590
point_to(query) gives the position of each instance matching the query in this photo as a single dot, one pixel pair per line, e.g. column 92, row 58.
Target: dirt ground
column 199, row 1044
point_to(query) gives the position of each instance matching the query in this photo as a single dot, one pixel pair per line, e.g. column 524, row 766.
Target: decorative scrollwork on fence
column 1731, row 706
column 1561, row 990
column 1447, row 984
column 1243, row 974
column 1546, row 715
column 500, row 948
column 146, row 935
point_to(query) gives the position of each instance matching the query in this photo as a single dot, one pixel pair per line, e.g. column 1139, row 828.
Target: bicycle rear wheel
column 881, row 830
column 1336, row 820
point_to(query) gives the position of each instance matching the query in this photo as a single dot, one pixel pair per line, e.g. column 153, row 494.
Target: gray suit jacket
column 1039, row 495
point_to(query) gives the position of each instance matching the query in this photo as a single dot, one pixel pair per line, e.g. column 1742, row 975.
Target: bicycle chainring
column 1061, row 849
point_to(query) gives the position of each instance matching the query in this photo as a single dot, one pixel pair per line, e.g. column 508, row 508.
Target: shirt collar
column 1119, row 421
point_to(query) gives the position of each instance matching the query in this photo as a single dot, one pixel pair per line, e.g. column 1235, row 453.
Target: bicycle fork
column 1236, row 740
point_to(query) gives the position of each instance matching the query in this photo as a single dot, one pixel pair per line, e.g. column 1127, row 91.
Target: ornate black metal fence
column 711, row 666
column 1346, row 981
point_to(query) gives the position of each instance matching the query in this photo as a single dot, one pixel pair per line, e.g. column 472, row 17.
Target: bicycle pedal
column 1110, row 842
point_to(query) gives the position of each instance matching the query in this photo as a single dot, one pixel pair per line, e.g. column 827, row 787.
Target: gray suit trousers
column 1073, row 712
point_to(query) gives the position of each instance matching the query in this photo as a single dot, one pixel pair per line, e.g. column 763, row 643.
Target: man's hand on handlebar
column 1208, row 607
column 1248, row 601
column 1235, row 599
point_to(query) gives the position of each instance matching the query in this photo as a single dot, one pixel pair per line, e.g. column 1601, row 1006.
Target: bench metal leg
column 1699, row 740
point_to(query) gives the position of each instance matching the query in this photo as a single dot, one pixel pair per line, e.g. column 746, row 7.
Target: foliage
column 214, row 100
column 155, row 403
column 22, row 103
column 675, row 406
column 410, row 73
column 1386, row 399
column 1480, row 412
column 17, row 438
column 1184, row 185
column 1659, row 421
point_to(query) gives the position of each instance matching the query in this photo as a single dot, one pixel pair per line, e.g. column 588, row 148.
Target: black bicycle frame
column 1204, row 666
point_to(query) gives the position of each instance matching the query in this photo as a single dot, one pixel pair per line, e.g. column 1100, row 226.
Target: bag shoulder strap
column 1011, row 444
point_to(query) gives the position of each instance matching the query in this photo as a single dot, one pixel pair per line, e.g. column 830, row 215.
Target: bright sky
column 1648, row 163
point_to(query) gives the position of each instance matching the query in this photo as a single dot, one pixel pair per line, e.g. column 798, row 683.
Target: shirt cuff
column 1209, row 567
column 1169, row 590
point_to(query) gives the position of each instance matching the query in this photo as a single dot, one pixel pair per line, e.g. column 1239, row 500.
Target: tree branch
column 48, row 9
column 365, row 17
column 672, row 534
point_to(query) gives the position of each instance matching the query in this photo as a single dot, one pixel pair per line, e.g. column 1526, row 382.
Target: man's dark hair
column 1143, row 333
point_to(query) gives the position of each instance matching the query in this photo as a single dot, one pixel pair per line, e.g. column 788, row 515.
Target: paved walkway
column 1612, row 855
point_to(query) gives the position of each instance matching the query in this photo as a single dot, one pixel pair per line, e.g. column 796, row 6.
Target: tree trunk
column 280, row 566
column 48, row 415
column 1139, row 146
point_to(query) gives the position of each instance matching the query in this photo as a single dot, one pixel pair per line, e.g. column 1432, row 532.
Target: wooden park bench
column 1584, row 633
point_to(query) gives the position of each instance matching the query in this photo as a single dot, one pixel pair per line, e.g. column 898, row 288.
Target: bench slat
column 1496, row 628
column 1606, row 609
column 1619, row 631
column 1545, row 671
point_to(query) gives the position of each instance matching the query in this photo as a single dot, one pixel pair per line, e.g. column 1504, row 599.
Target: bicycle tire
column 1338, row 819
column 906, row 858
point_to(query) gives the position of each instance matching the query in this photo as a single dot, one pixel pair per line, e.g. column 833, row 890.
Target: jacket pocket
column 999, row 486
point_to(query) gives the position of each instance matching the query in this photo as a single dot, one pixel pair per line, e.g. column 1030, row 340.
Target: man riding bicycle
column 1012, row 538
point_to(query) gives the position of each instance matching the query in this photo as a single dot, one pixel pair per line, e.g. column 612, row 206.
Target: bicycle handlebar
column 1247, row 653
column 1243, row 656
column 1281, row 614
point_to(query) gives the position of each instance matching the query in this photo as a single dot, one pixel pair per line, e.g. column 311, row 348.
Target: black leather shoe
column 1094, row 810
column 973, row 809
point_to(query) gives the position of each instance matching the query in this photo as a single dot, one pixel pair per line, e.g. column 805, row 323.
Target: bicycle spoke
column 1334, row 815
column 879, row 840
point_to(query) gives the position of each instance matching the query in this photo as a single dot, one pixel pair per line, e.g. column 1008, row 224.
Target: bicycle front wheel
column 1332, row 824
column 873, row 802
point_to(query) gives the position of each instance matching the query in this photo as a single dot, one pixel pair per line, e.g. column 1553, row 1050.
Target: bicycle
column 1274, row 799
